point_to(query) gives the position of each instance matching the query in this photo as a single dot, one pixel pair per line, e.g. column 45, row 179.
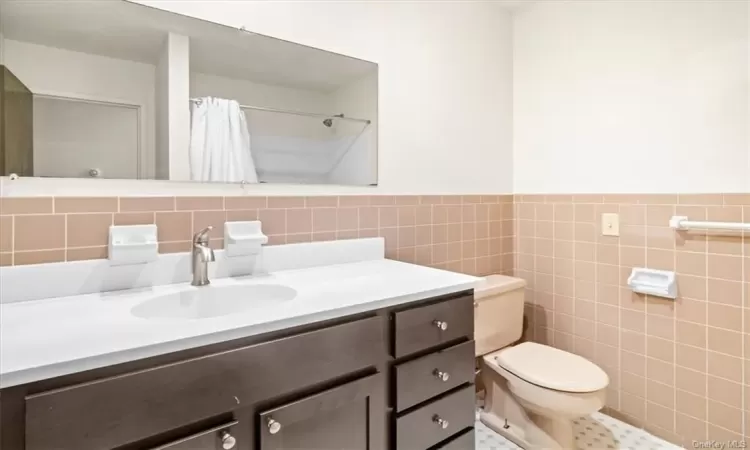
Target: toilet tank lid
column 552, row 368
column 495, row 285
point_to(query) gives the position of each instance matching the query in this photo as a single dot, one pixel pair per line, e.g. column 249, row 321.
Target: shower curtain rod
column 289, row 111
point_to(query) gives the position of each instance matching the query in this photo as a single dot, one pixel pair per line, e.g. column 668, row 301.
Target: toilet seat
column 552, row 368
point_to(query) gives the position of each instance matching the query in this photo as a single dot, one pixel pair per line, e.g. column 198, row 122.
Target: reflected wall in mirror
column 113, row 89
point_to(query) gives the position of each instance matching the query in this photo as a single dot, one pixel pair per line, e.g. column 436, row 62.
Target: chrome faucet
column 202, row 255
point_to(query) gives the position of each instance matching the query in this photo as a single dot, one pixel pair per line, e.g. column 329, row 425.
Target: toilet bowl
column 532, row 391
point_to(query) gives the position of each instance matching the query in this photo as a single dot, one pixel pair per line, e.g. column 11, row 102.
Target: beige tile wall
column 471, row 234
column 678, row 368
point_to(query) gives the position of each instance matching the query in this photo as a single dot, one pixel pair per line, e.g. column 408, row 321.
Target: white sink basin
column 213, row 301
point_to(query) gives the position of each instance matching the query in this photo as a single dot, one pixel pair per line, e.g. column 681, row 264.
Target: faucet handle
column 201, row 237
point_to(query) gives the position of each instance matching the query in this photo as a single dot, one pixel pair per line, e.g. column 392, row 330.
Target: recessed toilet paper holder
column 660, row 283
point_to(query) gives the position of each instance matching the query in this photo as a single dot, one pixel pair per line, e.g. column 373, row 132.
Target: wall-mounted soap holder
column 243, row 238
column 660, row 283
column 133, row 244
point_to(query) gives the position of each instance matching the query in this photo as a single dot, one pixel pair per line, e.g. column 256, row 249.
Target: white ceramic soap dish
column 132, row 244
column 243, row 238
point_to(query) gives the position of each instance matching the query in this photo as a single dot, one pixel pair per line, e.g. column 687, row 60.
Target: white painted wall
column 445, row 98
column 628, row 96
column 64, row 73
column 359, row 163
column 178, row 52
column 161, row 97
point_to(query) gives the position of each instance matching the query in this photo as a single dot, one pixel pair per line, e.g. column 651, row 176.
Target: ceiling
column 125, row 30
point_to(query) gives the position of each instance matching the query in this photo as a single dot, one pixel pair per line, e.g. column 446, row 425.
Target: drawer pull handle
column 442, row 423
column 440, row 375
column 227, row 440
column 273, row 426
column 442, row 326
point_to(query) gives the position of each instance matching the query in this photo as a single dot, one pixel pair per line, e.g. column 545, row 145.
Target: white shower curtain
column 220, row 142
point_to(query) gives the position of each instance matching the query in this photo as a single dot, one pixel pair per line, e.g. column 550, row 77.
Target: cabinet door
column 348, row 417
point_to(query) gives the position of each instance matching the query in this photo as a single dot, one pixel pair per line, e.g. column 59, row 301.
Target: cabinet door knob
column 442, row 423
column 442, row 326
column 273, row 426
column 440, row 375
column 227, row 440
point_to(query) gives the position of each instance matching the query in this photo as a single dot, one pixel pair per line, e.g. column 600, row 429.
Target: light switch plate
column 610, row 224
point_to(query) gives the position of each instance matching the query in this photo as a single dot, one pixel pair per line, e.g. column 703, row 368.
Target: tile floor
column 598, row 431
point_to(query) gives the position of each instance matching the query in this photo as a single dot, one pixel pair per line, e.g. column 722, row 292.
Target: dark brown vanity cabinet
column 396, row 379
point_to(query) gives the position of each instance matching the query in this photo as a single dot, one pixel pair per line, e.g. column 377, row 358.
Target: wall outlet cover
column 610, row 224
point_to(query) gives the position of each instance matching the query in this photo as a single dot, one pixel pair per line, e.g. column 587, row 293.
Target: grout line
column 554, row 280
column 705, row 337
column 645, row 312
column 745, row 294
column 619, row 319
column 674, row 335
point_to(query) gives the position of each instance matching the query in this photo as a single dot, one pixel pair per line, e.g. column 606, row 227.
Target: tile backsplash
column 678, row 368
column 465, row 233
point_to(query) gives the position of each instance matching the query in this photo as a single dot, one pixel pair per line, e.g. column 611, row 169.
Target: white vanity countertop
column 47, row 338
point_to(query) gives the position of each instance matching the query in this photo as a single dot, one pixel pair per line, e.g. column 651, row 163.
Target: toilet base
column 559, row 429
column 497, row 424
column 544, row 434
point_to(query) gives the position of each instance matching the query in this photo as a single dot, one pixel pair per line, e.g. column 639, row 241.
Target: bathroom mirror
column 114, row 89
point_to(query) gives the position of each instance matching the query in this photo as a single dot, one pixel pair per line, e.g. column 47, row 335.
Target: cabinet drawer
column 216, row 438
column 348, row 417
column 436, row 421
column 427, row 326
column 114, row 411
column 464, row 441
column 428, row 376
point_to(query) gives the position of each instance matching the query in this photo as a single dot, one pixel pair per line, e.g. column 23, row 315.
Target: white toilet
column 532, row 391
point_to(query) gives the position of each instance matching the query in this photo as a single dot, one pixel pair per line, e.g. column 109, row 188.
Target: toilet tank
column 498, row 312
